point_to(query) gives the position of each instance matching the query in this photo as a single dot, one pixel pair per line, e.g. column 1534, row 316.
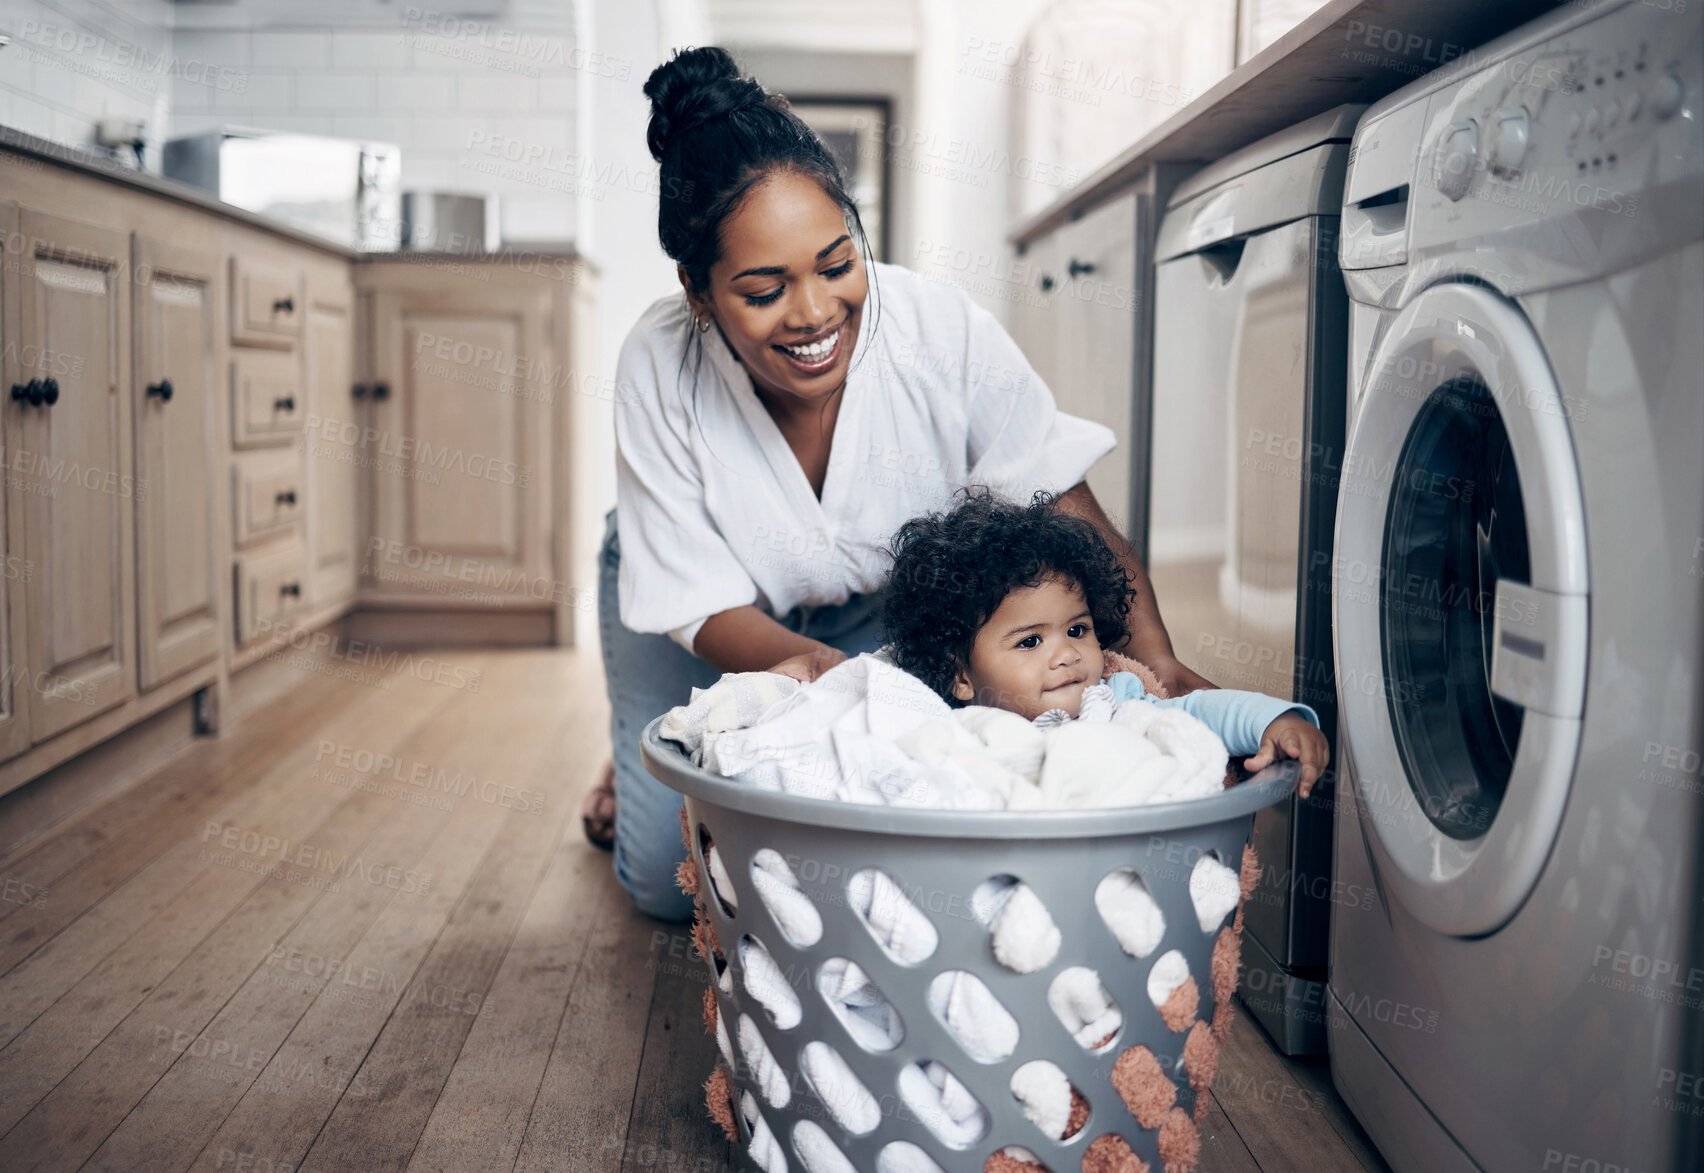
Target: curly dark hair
column 952, row 570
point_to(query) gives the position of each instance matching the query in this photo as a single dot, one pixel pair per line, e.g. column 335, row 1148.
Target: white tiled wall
column 73, row 61
column 477, row 103
column 481, row 95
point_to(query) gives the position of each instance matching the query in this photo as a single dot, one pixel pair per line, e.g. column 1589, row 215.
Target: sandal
column 597, row 812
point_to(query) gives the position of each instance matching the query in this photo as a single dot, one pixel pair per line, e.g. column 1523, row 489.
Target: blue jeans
column 649, row 674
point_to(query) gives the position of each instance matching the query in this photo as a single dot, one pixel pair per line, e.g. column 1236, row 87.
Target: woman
column 779, row 423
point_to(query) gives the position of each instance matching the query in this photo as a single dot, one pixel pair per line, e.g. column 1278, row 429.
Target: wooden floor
column 364, row 933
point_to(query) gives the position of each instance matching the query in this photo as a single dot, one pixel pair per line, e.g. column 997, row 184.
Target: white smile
column 815, row 353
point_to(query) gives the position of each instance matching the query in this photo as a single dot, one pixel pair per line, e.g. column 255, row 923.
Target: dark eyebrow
column 778, row 270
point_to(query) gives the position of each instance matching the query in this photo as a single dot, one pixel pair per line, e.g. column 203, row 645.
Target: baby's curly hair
column 952, row 570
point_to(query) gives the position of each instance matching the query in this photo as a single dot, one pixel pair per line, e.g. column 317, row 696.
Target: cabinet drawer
column 268, row 497
column 266, row 398
column 268, row 590
column 266, row 303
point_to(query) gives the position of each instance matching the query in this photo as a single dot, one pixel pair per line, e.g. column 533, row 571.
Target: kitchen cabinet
column 460, row 417
column 1035, row 314
column 71, row 468
column 173, row 401
column 14, row 627
column 333, row 441
column 1095, row 331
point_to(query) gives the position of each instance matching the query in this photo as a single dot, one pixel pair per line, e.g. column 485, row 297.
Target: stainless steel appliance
column 449, row 222
column 1246, row 429
column 344, row 190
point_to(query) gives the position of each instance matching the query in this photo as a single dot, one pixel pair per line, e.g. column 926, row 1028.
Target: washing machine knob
column 1457, row 152
column 1514, row 133
column 1667, row 93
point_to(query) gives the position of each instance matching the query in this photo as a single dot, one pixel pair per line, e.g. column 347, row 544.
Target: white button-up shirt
column 713, row 508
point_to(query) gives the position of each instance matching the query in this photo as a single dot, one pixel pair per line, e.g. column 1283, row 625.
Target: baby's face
column 1036, row 652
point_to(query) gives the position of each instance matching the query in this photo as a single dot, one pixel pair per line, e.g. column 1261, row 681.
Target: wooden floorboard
column 175, row 1012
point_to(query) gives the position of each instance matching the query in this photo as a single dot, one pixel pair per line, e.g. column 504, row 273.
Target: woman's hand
column 1177, row 678
column 807, row 666
column 1293, row 736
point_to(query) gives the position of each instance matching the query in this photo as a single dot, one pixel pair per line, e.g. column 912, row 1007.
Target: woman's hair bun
column 692, row 88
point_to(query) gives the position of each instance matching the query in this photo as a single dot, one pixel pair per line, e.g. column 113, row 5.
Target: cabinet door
column 1096, row 309
column 458, row 444
column 1035, row 316
column 77, row 489
column 177, row 591
column 14, row 620
column 333, row 444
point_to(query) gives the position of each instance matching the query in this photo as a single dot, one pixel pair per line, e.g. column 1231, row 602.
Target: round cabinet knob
column 27, row 392
column 162, row 390
column 360, row 391
column 1456, row 155
column 381, row 390
column 1514, row 133
column 1077, row 268
column 1046, row 283
column 287, row 403
column 1667, row 94
column 287, row 497
column 50, row 390
column 284, row 305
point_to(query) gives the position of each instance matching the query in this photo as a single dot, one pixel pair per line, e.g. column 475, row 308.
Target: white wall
column 70, row 63
column 477, row 103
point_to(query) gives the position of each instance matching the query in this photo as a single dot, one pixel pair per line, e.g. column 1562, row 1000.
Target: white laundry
column 764, row 1148
column 817, row 1152
column 903, row 932
column 1168, row 973
column 1215, row 890
column 867, row 732
column 1024, row 935
column 943, row 1104
column 867, row 1016
column 720, row 880
column 904, row 1157
column 1131, row 914
column 1080, row 1001
column 765, row 982
column 842, row 1093
column 722, row 1043
column 779, row 890
column 984, row 1028
column 1045, row 1095
column 737, row 700
column 764, row 1070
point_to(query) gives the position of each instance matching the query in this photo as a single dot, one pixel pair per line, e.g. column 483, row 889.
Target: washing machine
column 1518, row 604
column 1247, row 419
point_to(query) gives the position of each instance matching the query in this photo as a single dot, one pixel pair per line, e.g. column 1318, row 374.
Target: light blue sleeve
column 1238, row 717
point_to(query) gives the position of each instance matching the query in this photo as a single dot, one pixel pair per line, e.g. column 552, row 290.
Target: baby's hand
column 1293, row 736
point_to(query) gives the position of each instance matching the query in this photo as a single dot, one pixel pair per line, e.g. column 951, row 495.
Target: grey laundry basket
column 938, row 859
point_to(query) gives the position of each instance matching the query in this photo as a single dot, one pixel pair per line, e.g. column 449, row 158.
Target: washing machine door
column 1460, row 609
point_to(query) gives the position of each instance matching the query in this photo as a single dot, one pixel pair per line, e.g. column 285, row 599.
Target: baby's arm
column 1252, row 725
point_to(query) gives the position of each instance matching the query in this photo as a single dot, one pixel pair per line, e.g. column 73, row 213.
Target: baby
column 1011, row 606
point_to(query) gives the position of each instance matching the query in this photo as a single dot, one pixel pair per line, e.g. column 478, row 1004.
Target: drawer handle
column 381, row 390
column 1077, row 268
column 285, row 403
column 293, row 589
column 30, row 393
column 1046, row 283
column 287, row 497
column 163, row 389
column 284, row 305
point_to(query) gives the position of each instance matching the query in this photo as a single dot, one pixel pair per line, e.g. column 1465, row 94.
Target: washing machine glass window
column 1455, row 528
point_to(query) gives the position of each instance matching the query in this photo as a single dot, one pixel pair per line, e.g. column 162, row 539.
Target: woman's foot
column 597, row 812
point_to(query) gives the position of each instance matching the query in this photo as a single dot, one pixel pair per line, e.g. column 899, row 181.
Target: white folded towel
column 768, row 1074
column 983, row 1027
column 765, row 982
column 1167, row 974
column 736, row 701
column 867, row 1016
column 1024, row 936
column 779, row 890
column 904, row 1157
column 1045, row 1095
column 817, row 1152
column 903, row 932
column 1080, row 1001
column 1215, row 890
column 1131, row 914
column 720, row 880
column 842, row 1093
column 943, row 1104
column 764, row 1148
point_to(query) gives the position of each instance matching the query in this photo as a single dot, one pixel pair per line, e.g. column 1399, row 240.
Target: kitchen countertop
column 1338, row 54
column 89, row 163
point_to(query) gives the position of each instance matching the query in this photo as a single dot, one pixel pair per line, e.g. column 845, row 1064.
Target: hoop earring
column 704, row 324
